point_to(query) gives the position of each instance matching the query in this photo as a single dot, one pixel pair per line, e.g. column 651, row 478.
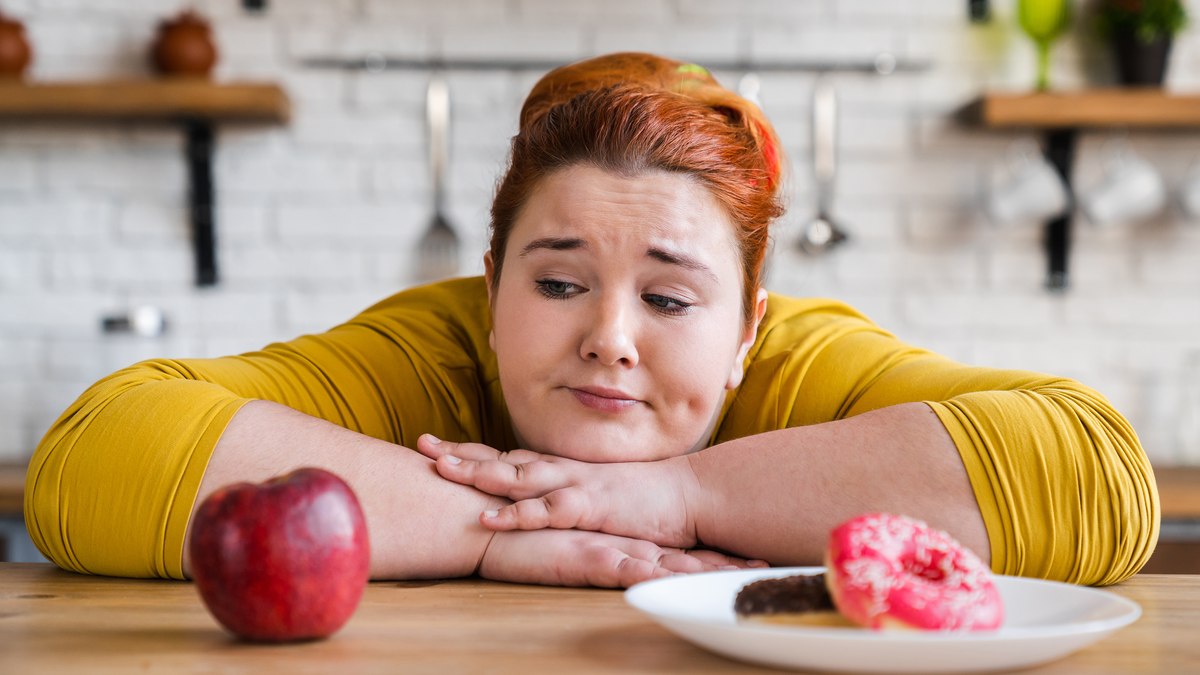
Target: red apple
column 283, row 560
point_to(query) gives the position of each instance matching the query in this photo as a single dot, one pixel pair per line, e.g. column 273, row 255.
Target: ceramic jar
column 15, row 53
column 184, row 46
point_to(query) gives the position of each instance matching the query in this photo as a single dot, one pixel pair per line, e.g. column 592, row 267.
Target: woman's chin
column 583, row 446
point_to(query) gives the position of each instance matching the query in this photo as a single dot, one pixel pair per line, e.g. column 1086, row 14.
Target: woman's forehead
column 654, row 206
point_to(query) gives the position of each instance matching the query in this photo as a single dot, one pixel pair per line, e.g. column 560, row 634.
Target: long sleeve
column 1064, row 487
column 111, row 486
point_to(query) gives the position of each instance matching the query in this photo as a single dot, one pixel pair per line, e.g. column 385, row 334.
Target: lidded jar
column 15, row 53
column 184, row 46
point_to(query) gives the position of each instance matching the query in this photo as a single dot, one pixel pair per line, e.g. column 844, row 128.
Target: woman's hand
column 577, row 558
column 644, row 500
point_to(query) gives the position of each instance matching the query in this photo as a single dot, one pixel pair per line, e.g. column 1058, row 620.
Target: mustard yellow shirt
column 1064, row 487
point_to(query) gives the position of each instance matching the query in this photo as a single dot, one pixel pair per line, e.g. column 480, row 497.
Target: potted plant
column 1140, row 32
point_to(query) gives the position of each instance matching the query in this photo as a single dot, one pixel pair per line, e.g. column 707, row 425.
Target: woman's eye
column 552, row 288
column 666, row 305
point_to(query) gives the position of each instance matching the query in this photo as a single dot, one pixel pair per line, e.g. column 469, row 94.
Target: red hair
column 633, row 113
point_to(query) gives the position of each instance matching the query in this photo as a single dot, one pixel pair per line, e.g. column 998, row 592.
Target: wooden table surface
column 1179, row 491
column 12, row 489
column 55, row 621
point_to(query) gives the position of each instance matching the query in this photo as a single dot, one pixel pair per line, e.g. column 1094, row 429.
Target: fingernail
column 433, row 439
column 491, row 513
column 758, row 563
column 452, row 459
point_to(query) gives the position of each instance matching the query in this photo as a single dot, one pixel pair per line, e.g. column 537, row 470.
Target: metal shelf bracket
column 200, row 147
column 1060, row 152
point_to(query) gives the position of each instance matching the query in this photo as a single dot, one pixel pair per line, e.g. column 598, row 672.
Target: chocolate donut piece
column 790, row 595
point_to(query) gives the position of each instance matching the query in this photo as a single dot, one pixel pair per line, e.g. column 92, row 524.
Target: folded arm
column 422, row 526
column 410, row 537
column 113, row 485
column 773, row 496
column 777, row 495
column 1037, row 473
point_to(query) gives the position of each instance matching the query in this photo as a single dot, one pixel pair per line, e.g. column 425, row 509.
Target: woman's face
column 618, row 320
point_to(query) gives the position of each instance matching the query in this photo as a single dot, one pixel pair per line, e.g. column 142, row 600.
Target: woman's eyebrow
column 682, row 260
column 573, row 243
column 553, row 244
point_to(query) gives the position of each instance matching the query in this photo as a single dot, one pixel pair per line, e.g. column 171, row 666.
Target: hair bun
column 658, row 73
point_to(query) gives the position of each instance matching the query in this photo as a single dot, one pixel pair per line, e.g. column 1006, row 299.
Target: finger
column 433, row 447
column 491, row 476
column 697, row 560
column 721, row 559
column 686, row 563
column 524, row 457
column 611, row 567
column 682, row 563
column 515, row 481
column 564, row 509
column 634, row 571
column 673, row 560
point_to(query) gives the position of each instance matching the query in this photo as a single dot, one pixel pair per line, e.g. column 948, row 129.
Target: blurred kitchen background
column 320, row 216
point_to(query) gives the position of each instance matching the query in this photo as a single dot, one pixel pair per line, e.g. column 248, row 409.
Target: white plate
column 1044, row 620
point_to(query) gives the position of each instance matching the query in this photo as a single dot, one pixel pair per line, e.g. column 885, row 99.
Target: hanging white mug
column 1189, row 193
column 1032, row 191
column 1130, row 189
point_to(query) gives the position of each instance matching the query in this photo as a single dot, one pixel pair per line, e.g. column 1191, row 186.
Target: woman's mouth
column 604, row 400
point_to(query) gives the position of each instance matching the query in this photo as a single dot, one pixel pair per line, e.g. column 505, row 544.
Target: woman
column 620, row 338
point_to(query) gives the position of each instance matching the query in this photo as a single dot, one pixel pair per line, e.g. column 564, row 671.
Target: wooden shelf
column 196, row 105
column 1150, row 108
column 1061, row 116
column 147, row 100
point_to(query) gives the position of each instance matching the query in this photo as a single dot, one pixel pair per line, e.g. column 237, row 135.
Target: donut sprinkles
column 888, row 571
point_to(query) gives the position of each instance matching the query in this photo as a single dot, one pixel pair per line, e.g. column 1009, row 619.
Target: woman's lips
column 604, row 400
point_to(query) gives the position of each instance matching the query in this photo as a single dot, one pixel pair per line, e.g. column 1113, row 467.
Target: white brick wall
column 318, row 219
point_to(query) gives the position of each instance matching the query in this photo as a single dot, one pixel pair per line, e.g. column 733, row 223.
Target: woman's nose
column 609, row 338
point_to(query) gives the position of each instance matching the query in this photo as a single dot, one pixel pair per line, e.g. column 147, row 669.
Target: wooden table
column 12, row 488
column 55, row 621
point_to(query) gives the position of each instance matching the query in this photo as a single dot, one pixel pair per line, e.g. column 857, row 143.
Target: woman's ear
column 488, row 270
column 738, row 368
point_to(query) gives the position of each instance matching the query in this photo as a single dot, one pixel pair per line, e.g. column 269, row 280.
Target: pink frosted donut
column 887, row 571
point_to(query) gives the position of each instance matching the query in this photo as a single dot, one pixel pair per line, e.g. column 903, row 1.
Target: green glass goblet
column 1044, row 21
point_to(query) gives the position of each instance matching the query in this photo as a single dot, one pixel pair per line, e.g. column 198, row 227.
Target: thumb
column 433, row 447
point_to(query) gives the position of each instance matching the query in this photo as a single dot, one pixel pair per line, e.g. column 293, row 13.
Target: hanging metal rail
column 882, row 63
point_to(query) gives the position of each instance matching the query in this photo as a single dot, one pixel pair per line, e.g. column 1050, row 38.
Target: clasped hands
column 577, row 523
